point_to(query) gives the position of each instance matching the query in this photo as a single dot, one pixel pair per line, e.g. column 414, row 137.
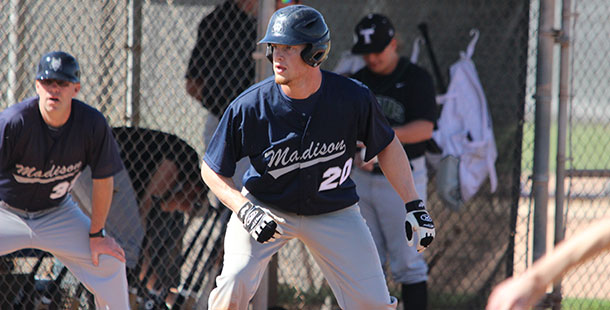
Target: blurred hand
column 520, row 293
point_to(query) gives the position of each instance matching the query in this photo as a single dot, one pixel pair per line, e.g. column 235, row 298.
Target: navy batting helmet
column 58, row 65
column 299, row 24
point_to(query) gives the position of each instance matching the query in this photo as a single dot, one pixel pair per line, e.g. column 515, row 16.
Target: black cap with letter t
column 372, row 34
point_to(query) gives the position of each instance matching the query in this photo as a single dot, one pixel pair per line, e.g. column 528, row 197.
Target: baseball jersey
column 38, row 164
column 405, row 95
column 301, row 151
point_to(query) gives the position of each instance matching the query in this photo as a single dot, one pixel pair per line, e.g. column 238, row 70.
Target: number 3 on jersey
column 335, row 176
column 62, row 188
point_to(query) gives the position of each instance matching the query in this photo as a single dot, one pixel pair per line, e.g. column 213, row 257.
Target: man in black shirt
column 405, row 92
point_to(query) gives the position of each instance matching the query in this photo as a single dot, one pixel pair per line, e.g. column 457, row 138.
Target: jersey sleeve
column 8, row 131
column 224, row 149
column 105, row 159
column 374, row 131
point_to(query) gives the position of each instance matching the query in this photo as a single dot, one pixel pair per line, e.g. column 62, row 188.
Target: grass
column 590, row 147
column 589, row 304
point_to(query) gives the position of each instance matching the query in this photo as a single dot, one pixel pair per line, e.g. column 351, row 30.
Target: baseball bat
column 207, row 266
column 204, row 221
column 75, row 304
column 53, row 291
column 28, row 289
column 215, row 253
column 187, row 283
column 442, row 87
column 158, row 241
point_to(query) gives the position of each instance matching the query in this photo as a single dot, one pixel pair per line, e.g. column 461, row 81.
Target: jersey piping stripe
column 279, row 172
column 21, row 179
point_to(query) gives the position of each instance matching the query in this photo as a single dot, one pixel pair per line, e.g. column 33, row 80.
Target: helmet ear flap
column 306, row 54
column 269, row 52
column 315, row 54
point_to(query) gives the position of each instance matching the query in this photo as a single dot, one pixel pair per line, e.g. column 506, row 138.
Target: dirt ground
column 589, row 202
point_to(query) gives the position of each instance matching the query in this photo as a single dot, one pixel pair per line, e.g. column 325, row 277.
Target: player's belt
column 25, row 213
column 377, row 169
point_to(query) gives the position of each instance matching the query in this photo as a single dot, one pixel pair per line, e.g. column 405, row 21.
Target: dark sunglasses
column 49, row 82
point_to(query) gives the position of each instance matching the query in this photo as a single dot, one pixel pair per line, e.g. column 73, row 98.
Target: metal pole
column 562, row 121
column 16, row 59
column 263, row 66
column 261, row 299
column 106, row 61
column 134, row 55
column 544, row 74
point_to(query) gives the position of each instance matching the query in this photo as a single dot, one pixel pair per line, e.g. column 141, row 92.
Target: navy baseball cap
column 58, row 65
column 372, row 34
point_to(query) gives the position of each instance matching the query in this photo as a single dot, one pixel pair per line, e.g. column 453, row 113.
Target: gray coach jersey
column 301, row 151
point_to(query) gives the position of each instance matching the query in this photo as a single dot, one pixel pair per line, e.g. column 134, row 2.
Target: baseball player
column 45, row 142
column 405, row 92
column 299, row 129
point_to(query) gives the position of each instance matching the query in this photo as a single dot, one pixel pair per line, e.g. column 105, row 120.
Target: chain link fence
column 587, row 179
column 136, row 58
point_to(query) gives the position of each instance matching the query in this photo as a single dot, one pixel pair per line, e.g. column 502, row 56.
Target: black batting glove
column 418, row 220
column 260, row 222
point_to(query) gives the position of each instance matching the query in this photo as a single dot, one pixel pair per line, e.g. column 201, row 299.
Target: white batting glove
column 418, row 220
column 260, row 222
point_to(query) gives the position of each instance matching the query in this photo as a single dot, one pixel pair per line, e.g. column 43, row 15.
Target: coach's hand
column 106, row 245
column 260, row 222
column 418, row 220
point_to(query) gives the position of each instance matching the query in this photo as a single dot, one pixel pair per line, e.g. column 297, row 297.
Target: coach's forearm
column 224, row 188
column 396, row 168
column 572, row 252
column 101, row 199
column 415, row 131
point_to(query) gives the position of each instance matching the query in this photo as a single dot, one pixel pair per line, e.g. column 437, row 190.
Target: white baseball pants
column 340, row 243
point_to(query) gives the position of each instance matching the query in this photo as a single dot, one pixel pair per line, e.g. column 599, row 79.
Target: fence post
column 134, row 55
column 16, row 53
column 544, row 77
column 564, row 98
column 263, row 70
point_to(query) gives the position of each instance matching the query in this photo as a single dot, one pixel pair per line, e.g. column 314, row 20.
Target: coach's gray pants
column 64, row 232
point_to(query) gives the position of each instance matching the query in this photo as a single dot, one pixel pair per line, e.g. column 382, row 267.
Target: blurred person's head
column 248, row 6
column 375, row 41
column 284, row 3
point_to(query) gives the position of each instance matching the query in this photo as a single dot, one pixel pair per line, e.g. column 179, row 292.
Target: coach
column 45, row 142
